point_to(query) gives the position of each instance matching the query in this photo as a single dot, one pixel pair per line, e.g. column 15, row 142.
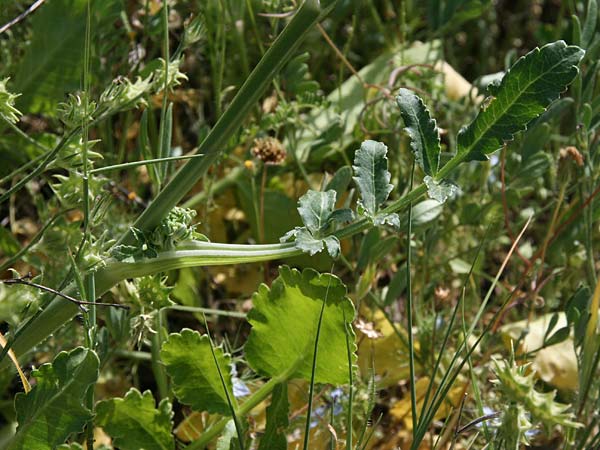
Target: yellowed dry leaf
column 15, row 361
column 401, row 410
column 557, row 364
column 389, row 353
column 455, row 86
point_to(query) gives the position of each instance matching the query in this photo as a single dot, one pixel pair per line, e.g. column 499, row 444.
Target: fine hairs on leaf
column 318, row 213
column 421, row 129
column 373, row 181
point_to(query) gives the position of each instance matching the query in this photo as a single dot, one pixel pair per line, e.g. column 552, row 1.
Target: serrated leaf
column 284, row 324
column 532, row 83
column 188, row 359
column 274, row 437
column 422, row 130
column 53, row 409
column 315, row 209
column 135, row 423
column 372, row 176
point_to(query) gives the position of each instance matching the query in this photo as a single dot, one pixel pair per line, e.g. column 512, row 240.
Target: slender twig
column 24, row 281
column 21, row 16
column 477, row 421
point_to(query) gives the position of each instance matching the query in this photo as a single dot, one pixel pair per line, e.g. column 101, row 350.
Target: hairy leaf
column 277, row 420
column 196, row 382
column 373, row 180
column 134, row 422
column 372, row 176
column 306, row 242
column 441, row 190
column 422, row 130
column 317, row 210
column 53, row 409
column 284, row 324
column 532, row 83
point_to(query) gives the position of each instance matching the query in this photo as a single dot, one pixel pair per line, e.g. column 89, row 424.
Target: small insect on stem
column 24, row 280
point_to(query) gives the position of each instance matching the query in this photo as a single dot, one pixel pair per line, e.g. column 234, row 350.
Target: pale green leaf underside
column 284, row 324
column 318, row 213
column 372, row 176
column 532, row 83
column 134, row 422
column 315, row 207
column 196, row 382
column 422, row 130
column 53, row 409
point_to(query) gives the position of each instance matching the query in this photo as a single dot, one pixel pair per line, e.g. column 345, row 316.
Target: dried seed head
column 269, row 150
column 573, row 153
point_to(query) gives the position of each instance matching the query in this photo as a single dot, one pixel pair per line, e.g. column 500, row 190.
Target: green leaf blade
column 422, row 130
column 196, row 381
column 372, row 176
column 315, row 208
column 277, row 420
column 284, row 324
column 526, row 90
column 53, row 409
column 134, row 422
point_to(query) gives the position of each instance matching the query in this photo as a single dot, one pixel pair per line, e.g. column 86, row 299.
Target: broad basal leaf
column 196, row 382
column 317, row 210
column 284, row 324
column 422, row 130
column 135, row 423
column 54, row 408
column 526, row 90
column 274, row 437
column 373, row 180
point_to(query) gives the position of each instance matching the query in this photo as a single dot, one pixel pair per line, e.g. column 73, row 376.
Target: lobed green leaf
column 53, row 409
column 134, row 422
column 372, row 176
column 196, row 382
column 284, row 324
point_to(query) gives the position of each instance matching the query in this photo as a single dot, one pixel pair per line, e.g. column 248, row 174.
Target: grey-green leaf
column 439, row 190
column 422, row 130
column 196, row 381
column 134, row 422
column 277, row 420
column 532, row 83
column 315, row 208
column 53, row 409
column 372, row 176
